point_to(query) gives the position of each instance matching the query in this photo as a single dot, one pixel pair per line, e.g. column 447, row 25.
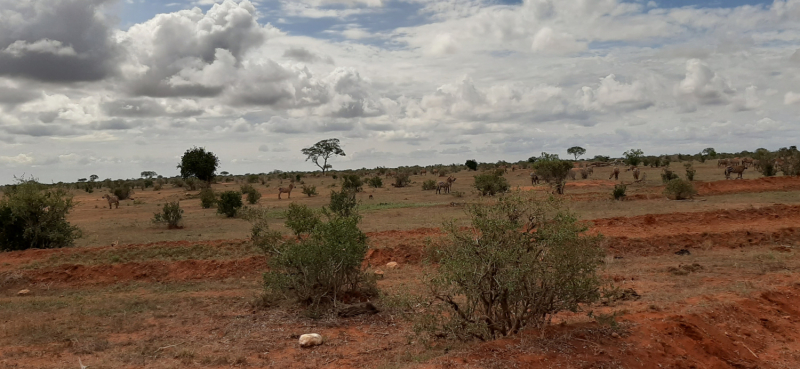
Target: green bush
column 494, row 280
column 678, row 189
column 619, row 191
column 310, row 190
column 178, row 182
column 352, row 182
column 229, row 203
column 402, row 179
column 171, row 214
column 471, row 165
column 191, row 183
column 553, row 170
column 491, row 183
column 252, row 178
column 122, row 190
column 429, row 185
column 343, row 203
column 768, row 168
column 253, row 197
column 207, row 198
column 375, row 182
column 690, row 171
column 157, row 186
column 301, row 219
column 633, row 156
column 31, row 216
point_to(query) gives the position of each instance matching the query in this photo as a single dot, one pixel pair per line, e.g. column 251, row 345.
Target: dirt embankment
column 766, row 184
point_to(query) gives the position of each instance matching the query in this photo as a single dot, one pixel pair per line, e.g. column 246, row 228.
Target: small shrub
column 122, row 190
column 429, row 185
column 491, row 183
column 768, row 169
column 457, row 193
column 352, row 182
column 310, row 190
column 472, row 165
column 178, row 182
column 192, row 183
column 31, row 216
column 229, row 203
column 301, row 219
column 343, row 203
column 690, row 171
column 678, row 189
column 402, row 179
column 157, row 186
column 148, row 183
column 375, row 182
column 335, row 176
column 253, row 196
column 494, row 280
column 619, row 191
column 252, row 178
column 246, row 188
column 171, row 214
column 207, row 198
column 668, row 175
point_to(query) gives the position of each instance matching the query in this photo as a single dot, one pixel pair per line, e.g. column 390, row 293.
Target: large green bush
column 122, row 190
column 301, row 219
column 343, row 203
column 32, row 216
column 553, row 170
column 375, row 182
column 678, row 189
column 522, row 260
column 352, row 182
column 429, row 185
column 229, row 203
column 471, row 165
column 207, row 198
column 491, row 183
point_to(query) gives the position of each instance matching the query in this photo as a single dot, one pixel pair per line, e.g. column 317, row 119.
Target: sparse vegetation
column 619, row 191
column 207, row 198
column 429, row 185
column 548, row 267
column 678, row 189
column 690, row 171
column 171, row 214
column 491, row 183
column 668, row 175
column 310, row 190
column 375, row 182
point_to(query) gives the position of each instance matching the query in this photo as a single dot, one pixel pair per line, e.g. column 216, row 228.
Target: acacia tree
column 323, row 151
column 633, row 156
column 553, row 170
column 149, row 174
column 199, row 163
column 93, row 177
column 577, row 151
column 709, row 152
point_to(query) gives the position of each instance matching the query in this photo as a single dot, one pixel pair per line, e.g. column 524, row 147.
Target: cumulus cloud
column 791, row 98
column 303, row 55
column 553, row 42
column 703, row 86
column 56, row 40
column 614, row 95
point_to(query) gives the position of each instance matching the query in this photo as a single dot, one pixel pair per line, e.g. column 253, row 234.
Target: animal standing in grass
column 445, row 185
column 534, row 179
column 739, row 169
column 111, row 200
column 614, row 174
column 286, row 190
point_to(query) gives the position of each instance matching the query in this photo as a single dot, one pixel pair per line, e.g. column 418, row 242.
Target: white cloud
column 44, row 46
column 791, row 98
column 703, row 86
column 613, row 95
column 552, row 42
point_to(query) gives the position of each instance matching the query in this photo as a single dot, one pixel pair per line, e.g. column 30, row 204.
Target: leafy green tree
column 199, row 163
column 709, row 152
column 323, row 151
column 577, row 151
column 32, row 216
column 553, row 170
column 93, row 177
column 472, row 165
column 633, row 156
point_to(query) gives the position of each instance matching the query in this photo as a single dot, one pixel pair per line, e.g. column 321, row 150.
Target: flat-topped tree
column 149, row 174
column 199, row 163
column 323, row 151
column 577, row 151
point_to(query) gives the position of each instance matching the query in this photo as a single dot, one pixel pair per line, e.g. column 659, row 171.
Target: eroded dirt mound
column 660, row 245
column 768, row 218
column 756, row 332
column 765, row 184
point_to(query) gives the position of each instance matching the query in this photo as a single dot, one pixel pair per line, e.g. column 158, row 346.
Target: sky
column 114, row 88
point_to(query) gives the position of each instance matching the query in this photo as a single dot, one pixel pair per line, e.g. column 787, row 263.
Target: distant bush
column 191, row 183
column 352, row 182
column 148, row 183
column 402, row 179
column 375, row 182
column 207, row 198
column 619, row 191
column 768, row 168
column 690, row 171
column 678, row 189
column 253, row 196
column 171, row 214
column 343, row 203
column 122, row 190
column 553, row 170
column 668, row 175
column 32, row 216
column 229, row 203
column 310, row 190
column 252, row 178
column 301, row 219
column 548, row 267
column 157, row 186
column 472, row 165
column 429, row 185
column 491, row 183
column 178, row 182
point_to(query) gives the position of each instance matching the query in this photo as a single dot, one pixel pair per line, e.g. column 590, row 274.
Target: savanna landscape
column 707, row 281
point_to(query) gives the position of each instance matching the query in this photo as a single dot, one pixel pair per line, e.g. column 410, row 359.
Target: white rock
column 311, row 339
column 392, row 265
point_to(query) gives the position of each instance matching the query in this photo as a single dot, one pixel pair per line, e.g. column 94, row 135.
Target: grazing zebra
column 739, row 169
column 112, row 199
column 445, row 185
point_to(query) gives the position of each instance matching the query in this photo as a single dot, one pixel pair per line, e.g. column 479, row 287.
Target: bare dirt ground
column 161, row 298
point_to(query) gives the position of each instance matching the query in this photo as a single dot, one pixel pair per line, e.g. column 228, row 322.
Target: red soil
column 765, row 184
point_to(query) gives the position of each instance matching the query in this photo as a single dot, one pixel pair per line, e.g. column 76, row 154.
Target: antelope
column 534, row 178
column 445, row 185
column 739, row 169
column 112, row 199
column 286, row 190
column 614, row 174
